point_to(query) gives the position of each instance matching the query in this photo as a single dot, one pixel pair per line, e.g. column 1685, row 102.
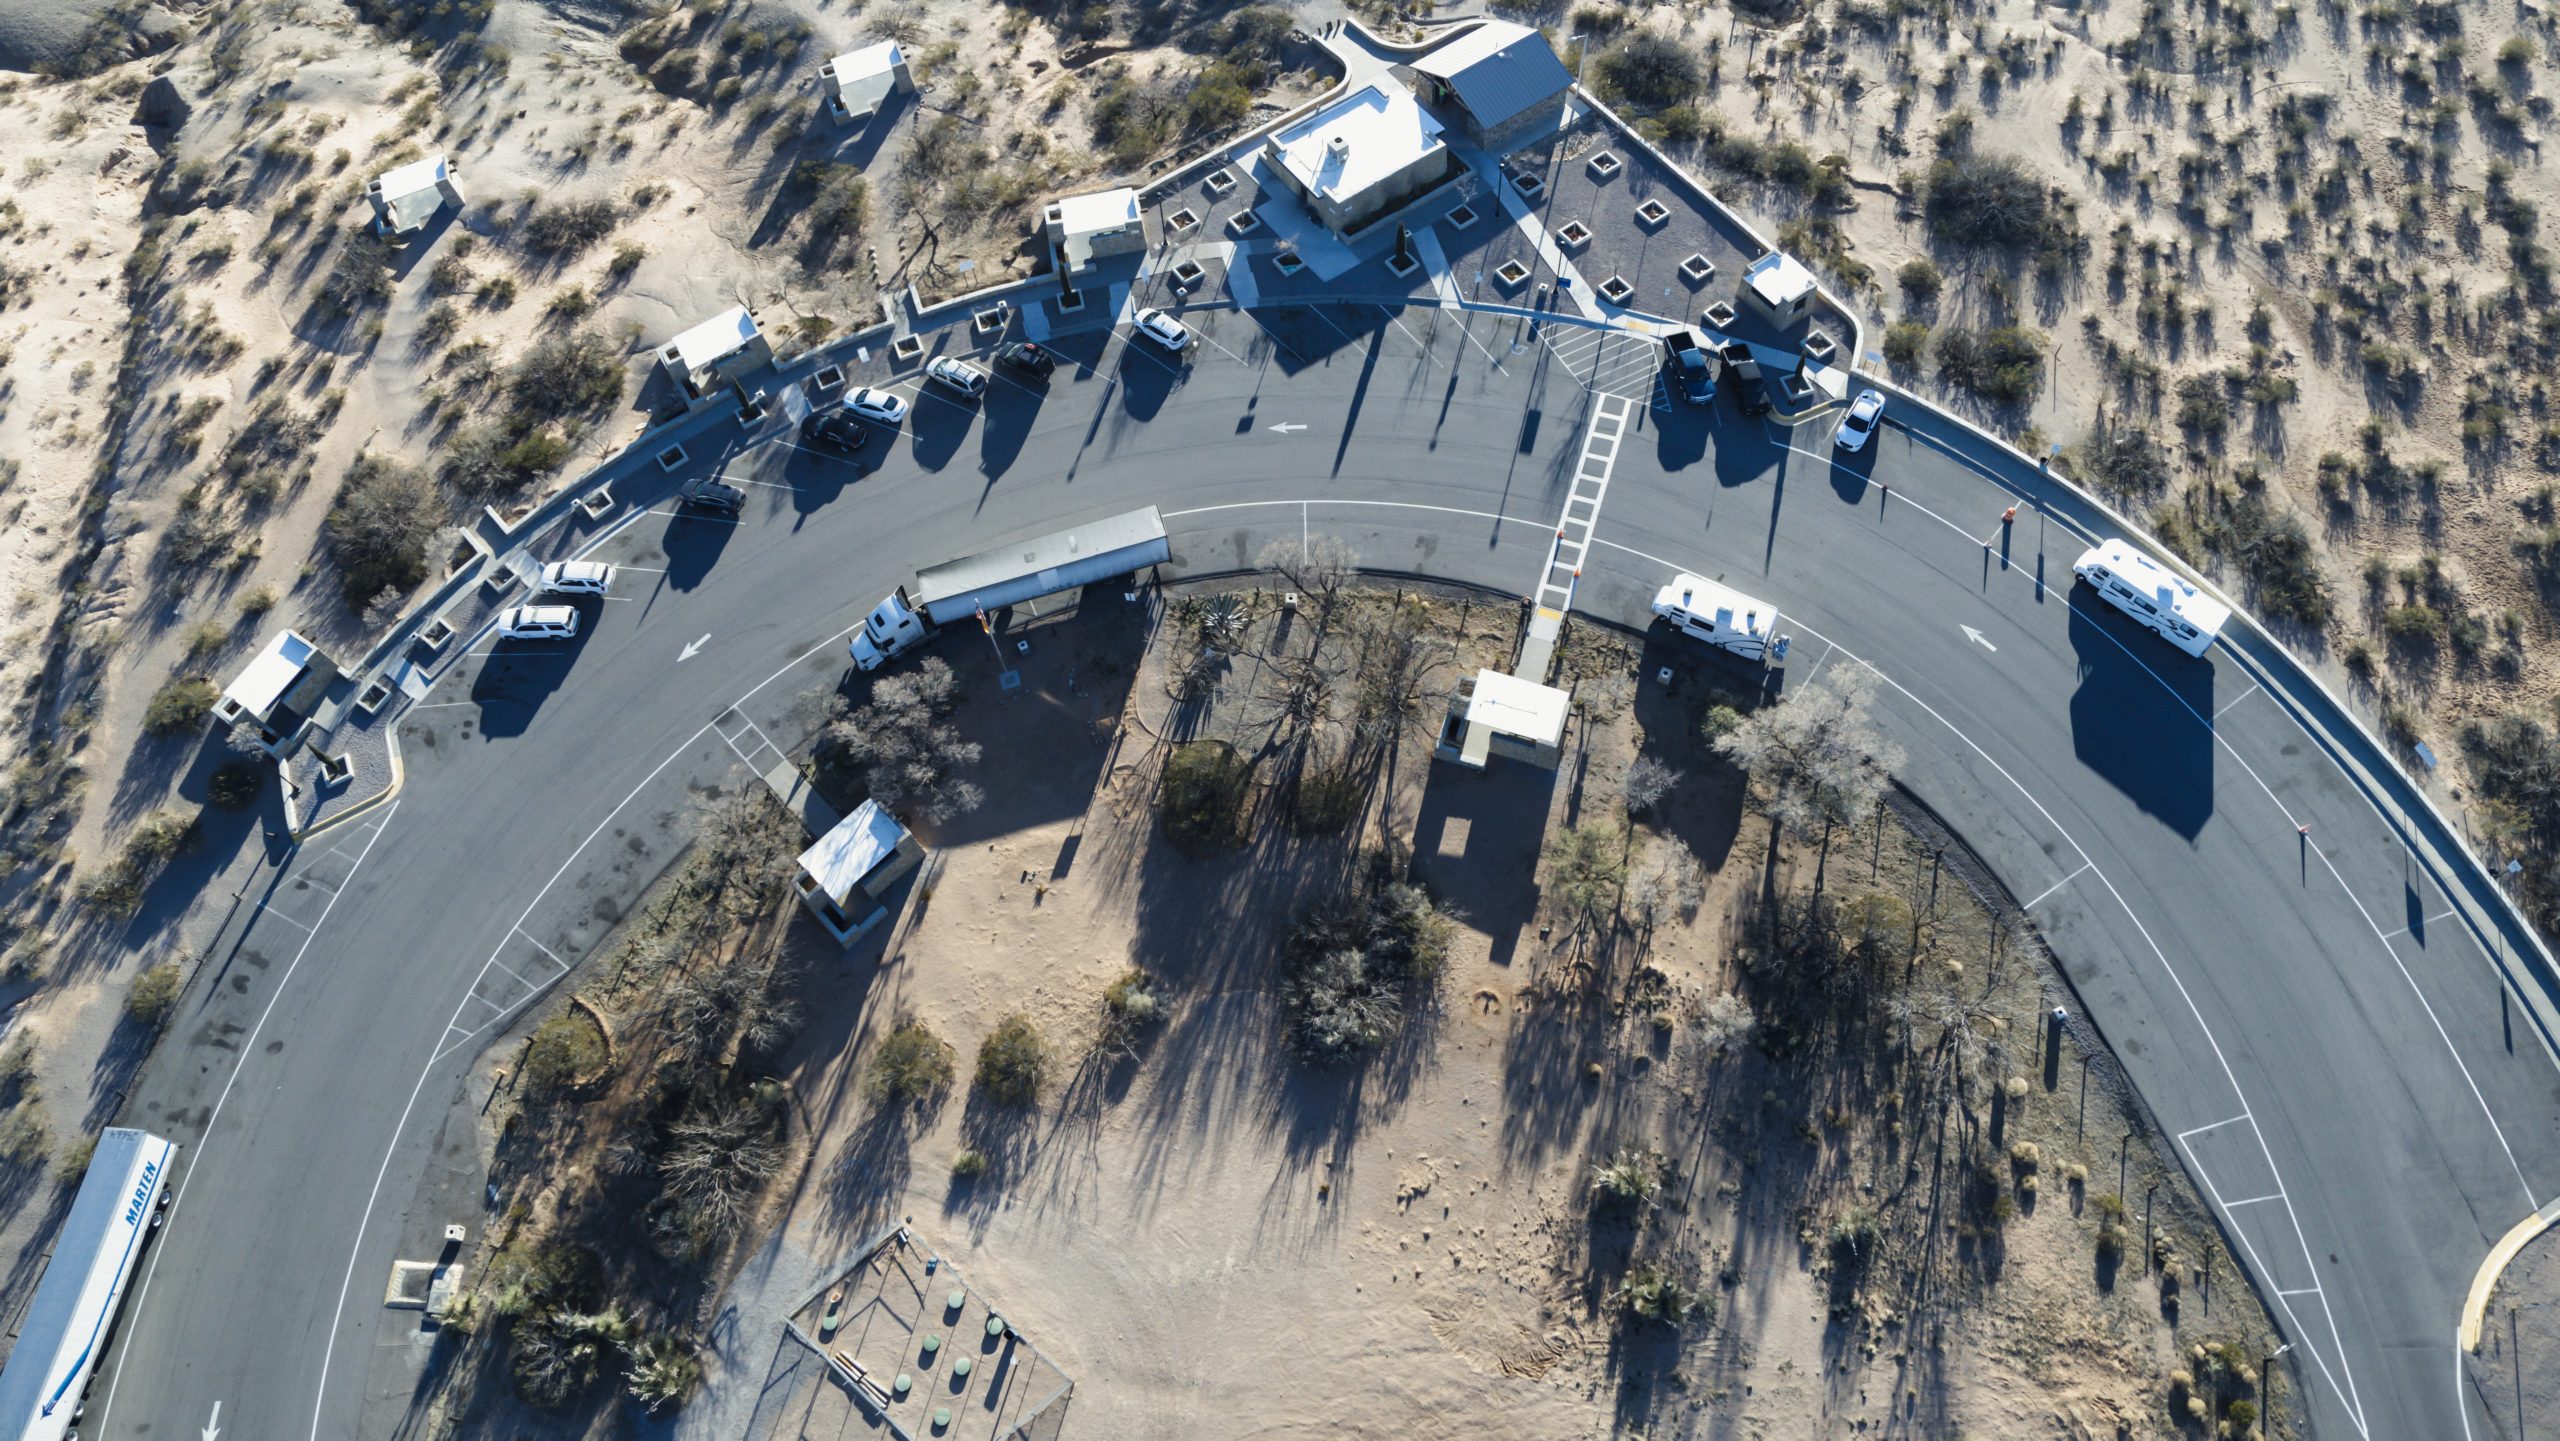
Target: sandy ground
column 1214, row 1237
column 2516, row 1373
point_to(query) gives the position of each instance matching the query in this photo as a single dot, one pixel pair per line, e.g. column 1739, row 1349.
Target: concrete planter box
column 1529, row 185
column 1574, row 235
column 829, row 377
column 1462, row 217
column 1288, row 263
column 670, row 458
column 1721, row 316
column 1820, row 347
column 1652, row 214
column 1404, row 267
column 371, row 698
column 1697, row 270
column 1245, row 223
column 1615, row 290
column 989, row 320
column 1605, row 166
column 905, row 350
column 1512, row 274
column 1183, row 219
column 1219, row 182
column 595, row 503
column 436, row 633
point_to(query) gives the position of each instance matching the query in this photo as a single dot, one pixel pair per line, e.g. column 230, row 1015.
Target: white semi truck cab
column 982, row 584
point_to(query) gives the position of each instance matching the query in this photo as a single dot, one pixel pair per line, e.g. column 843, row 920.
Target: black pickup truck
column 1742, row 376
column 1687, row 368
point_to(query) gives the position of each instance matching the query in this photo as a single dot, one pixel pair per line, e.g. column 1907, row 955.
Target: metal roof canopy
column 264, row 681
column 714, row 340
column 854, row 849
column 59, row 1341
column 1498, row 70
column 1523, row 709
column 1064, row 552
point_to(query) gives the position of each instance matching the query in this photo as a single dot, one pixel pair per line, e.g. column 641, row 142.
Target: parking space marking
column 2253, row 1201
column 2235, row 700
column 539, row 946
column 2048, row 891
column 2216, row 1126
column 303, row 926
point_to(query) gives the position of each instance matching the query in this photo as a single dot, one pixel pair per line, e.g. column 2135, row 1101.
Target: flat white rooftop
column 714, row 340
column 271, row 673
column 406, row 180
column 1359, row 140
column 863, row 64
column 2165, row 588
column 854, row 849
column 1104, row 210
column 1778, row 278
column 1515, row 707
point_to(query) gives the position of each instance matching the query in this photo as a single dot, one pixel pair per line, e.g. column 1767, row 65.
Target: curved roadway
column 2331, row 1051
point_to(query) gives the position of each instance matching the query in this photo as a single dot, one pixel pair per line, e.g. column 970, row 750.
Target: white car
column 958, row 375
column 576, row 577
column 885, row 406
column 537, row 622
column 1163, row 329
column 1865, row 413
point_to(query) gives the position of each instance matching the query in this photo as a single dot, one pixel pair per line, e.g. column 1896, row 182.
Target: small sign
column 2514, row 866
column 2426, row 757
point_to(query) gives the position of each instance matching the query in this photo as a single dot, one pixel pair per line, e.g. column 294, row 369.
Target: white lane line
column 474, row 994
column 2216, row 1126
column 319, row 885
column 249, row 1047
column 510, row 970
column 641, row 569
column 355, row 1250
column 303, row 926
column 2428, row 921
column 1816, row 668
column 2255, row 1200
column 2048, row 891
column 1392, row 504
column 546, row 950
column 2235, row 700
column 2301, row 1291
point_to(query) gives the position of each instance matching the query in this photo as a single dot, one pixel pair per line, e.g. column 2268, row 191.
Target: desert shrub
column 1354, row 960
column 626, row 259
column 2413, row 625
column 1718, row 721
column 493, row 458
column 1632, row 1178
column 1853, row 1241
column 1257, row 35
column 720, row 1155
column 564, row 229
column 663, row 1373
column 2004, row 364
column 969, row 1164
column 181, row 703
column 1219, row 98
column 1649, row 779
column 1654, row 1291
column 2271, row 549
column 1919, row 279
column 1013, row 1062
column 1130, row 1008
column 1202, row 801
column 236, row 784
column 154, row 994
column 565, row 375
column 385, row 514
column 1819, row 752
column 1906, row 342
column 360, row 276
column 2124, row 460
column 567, row 1046
column 71, row 1163
column 1651, row 69
column 911, row 1064
column 1978, row 199
column 1133, row 119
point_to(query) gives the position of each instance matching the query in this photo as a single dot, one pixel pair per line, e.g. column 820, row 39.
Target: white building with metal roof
column 1082, row 229
column 278, row 691
column 715, row 353
column 844, row 877
column 1504, row 715
column 1504, row 78
column 1778, row 286
column 859, row 82
column 64, row 1333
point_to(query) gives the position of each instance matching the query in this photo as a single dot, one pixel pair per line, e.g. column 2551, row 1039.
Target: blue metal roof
column 1498, row 70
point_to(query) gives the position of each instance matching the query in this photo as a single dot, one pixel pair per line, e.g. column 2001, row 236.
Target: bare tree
column 1724, row 1022
column 718, row 1158
column 744, row 850
column 1670, row 882
column 1318, row 567
column 905, row 748
column 1819, row 751
column 1648, row 781
column 1396, row 651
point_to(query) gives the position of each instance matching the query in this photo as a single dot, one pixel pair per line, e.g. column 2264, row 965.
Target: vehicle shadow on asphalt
column 2139, row 726
column 512, row 685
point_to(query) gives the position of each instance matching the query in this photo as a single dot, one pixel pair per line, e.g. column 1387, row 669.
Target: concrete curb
column 2475, row 1307
column 399, row 778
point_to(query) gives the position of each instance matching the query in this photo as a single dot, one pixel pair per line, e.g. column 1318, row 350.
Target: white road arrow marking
column 213, row 1428
column 1969, row 634
column 1284, row 427
column 695, row 648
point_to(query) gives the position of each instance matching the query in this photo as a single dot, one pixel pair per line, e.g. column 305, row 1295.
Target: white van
column 2152, row 594
column 1722, row 617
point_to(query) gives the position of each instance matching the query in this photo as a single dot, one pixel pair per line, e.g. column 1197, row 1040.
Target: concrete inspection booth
column 1081, row 229
column 715, row 353
column 65, row 1331
column 278, row 691
column 1493, row 714
column 846, row 876
column 406, row 199
column 1779, row 287
column 1366, row 154
column 859, row 82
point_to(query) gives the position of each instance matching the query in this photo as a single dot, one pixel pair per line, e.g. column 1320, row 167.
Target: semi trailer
column 981, row 584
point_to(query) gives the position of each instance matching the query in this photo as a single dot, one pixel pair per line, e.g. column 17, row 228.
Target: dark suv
column 713, row 496
column 1026, row 356
column 835, row 430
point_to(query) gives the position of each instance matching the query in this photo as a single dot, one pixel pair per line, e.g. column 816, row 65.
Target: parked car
column 1029, row 357
column 1865, row 413
column 537, row 622
column 1742, row 377
column 885, row 406
column 576, row 577
column 956, row 374
column 713, row 495
column 835, row 430
column 1163, row 329
column 1685, row 361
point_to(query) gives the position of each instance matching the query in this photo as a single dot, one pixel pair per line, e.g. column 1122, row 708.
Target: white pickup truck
column 991, row 580
column 2152, row 594
column 1723, row 617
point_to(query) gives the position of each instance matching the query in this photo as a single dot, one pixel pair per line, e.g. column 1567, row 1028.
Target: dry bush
column 385, row 514
column 1013, row 1063
column 1818, row 751
column 903, row 747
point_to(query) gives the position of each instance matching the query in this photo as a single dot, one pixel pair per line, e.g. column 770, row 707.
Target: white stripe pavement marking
column 2216, row 1126
column 510, row 970
column 303, row 926
column 2426, row 921
column 204, row 1143
column 355, row 1249
column 2255, row 1200
column 2048, row 891
column 2235, row 700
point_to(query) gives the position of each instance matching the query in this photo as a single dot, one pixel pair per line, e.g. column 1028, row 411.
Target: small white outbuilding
column 844, row 877
column 715, row 353
column 405, row 199
column 859, row 82
column 1778, row 286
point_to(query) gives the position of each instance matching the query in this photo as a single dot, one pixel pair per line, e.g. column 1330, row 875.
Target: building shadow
column 1476, row 837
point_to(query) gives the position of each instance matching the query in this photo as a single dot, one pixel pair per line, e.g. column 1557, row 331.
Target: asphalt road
column 2335, row 1057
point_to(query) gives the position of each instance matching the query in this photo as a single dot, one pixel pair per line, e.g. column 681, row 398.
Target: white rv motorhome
column 2152, row 594
column 1722, row 617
